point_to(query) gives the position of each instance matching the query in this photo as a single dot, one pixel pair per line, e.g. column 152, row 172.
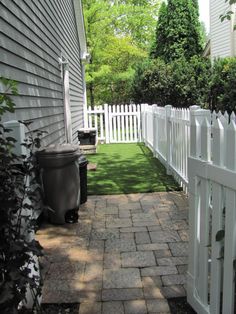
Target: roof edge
column 81, row 28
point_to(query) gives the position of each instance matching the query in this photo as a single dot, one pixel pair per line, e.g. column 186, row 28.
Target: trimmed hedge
column 223, row 85
column 183, row 83
column 180, row 83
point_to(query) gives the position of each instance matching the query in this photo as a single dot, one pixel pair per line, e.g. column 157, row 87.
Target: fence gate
column 115, row 124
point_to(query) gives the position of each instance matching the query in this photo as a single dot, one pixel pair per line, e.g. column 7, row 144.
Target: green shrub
column 181, row 83
column 151, row 82
column 190, row 82
column 223, row 85
column 20, row 198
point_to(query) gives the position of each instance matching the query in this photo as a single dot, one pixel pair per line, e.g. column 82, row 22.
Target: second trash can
column 83, row 162
column 61, row 181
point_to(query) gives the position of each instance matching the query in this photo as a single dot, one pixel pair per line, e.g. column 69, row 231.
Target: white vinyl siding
column 221, row 32
column 34, row 34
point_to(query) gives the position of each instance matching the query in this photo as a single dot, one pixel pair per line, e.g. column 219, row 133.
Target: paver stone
column 121, row 278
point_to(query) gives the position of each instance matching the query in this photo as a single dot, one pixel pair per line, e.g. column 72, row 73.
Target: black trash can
column 87, row 136
column 61, row 181
column 83, row 162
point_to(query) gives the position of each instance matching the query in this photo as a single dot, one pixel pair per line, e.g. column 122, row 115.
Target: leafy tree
column 178, row 32
column 118, row 35
column 159, row 48
column 113, row 78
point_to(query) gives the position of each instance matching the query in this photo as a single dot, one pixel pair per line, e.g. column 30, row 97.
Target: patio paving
column 126, row 254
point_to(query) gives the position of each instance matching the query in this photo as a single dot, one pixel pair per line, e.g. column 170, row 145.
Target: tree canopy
column 178, row 32
column 119, row 33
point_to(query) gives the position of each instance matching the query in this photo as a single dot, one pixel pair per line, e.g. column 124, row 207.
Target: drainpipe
column 66, row 97
column 84, row 96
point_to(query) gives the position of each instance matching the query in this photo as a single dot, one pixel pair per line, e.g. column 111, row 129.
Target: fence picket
column 135, row 124
column 127, row 123
column 230, row 225
column 131, row 124
column 232, row 117
column 96, row 119
column 139, row 131
column 101, row 124
column 122, row 123
column 118, row 124
column 110, row 124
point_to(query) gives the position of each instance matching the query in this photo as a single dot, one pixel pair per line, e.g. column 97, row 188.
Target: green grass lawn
column 127, row 168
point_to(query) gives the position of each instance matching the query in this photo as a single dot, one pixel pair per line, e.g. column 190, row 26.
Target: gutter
column 79, row 17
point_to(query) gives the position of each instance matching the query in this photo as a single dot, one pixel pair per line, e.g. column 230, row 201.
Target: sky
column 204, row 13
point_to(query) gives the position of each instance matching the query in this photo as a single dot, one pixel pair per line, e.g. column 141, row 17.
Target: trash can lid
column 87, row 130
column 58, row 149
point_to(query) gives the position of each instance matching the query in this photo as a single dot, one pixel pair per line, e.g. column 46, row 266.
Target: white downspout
column 66, row 97
column 84, row 96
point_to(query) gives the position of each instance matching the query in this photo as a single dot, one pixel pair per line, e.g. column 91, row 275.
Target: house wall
column 223, row 38
column 35, row 33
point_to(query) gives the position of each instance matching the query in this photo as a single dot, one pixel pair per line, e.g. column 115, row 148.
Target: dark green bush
column 181, row 83
column 151, row 82
column 223, row 85
column 190, row 82
column 20, row 198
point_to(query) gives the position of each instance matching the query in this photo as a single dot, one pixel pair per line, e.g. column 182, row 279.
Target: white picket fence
column 166, row 131
column 212, row 196
column 199, row 149
column 115, row 124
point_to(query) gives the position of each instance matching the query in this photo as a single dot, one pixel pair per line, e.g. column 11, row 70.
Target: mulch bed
column 63, row 308
column 180, row 306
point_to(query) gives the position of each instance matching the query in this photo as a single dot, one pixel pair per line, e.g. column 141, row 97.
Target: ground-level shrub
column 180, row 83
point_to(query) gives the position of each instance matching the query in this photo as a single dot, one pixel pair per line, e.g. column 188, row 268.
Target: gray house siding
column 34, row 34
column 223, row 38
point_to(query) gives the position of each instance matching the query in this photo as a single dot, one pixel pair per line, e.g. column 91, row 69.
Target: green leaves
column 119, row 34
column 9, row 87
column 179, row 83
column 223, row 85
column 178, row 32
column 18, row 203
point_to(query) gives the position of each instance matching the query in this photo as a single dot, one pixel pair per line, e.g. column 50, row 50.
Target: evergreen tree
column 161, row 33
column 178, row 30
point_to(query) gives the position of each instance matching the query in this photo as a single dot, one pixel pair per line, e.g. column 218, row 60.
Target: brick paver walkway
column 126, row 255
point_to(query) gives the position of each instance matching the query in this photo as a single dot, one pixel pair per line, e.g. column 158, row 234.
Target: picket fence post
column 193, row 205
column 107, row 131
column 154, row 129
column 230, row 223
column 168, row 139
column 144, row 122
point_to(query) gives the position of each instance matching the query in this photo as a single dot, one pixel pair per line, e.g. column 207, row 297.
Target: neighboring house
column 222, row 35
column 39, row 41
